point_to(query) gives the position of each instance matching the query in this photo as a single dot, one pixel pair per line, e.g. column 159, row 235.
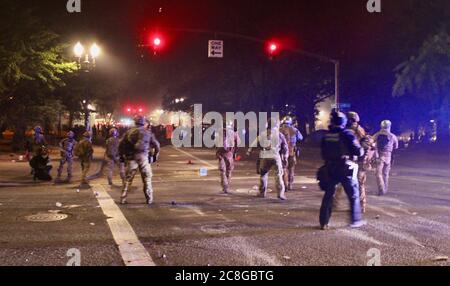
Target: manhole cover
column 46, row 217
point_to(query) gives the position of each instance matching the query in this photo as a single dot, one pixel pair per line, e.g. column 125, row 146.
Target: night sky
column 368, row 45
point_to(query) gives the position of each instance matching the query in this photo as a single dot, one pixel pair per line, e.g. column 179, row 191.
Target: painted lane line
column 393, row 230
column 131, row 249
column 360, row 235
column 213, row 167
column 377, row 209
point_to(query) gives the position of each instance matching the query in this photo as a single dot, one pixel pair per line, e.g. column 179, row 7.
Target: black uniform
column 339, row 146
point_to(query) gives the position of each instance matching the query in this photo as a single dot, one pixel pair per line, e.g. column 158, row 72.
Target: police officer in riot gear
column 386, row 142
column 293, row 138
column 338, row 148
column 66, row 146
column 134, row 149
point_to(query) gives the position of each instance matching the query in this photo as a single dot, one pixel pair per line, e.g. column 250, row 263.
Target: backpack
column 126, row 148
column 383, row 141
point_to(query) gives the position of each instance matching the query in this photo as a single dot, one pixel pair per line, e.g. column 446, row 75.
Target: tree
column 426, row 77
column 31, row 65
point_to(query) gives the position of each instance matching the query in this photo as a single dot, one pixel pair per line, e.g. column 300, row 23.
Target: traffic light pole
column 316, row 56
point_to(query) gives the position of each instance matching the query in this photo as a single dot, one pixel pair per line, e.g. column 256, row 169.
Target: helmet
column 113, row 132
column 353, row 116
column 38, row 130
column 273, row 123
column 386, row 124
column 338, row 119
column 70, row 134
column 139, row 120
column 288, row 120
column 87, row 134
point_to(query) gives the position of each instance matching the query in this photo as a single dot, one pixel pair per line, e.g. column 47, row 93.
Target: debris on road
column 59, row 205
column 414, row 213
column 92, row 223
column 286, row 257
column 377, row 217
column 440, row 258
column 78, row 190
column 71, row 206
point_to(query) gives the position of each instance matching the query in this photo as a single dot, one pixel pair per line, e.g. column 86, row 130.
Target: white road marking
column 212, row 167
column 394, row 231
column 131, row 249
column 253, row 255
column 196, row 210
column 377, row 209
column 361, row 235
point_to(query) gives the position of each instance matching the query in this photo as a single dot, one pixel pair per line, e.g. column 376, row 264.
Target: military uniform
column 67, row 146
column 112, row 159
column 272, row 157
column 84, row 151
column 225, row 155
column 293, row 136
column 135, row 147
column 36, row 143
column 338, row 146
column 386, row 143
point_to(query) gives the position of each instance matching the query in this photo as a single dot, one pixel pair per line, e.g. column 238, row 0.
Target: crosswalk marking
column 132, row 251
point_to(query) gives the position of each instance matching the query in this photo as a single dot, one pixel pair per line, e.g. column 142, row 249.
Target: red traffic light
column 157, row 41
column 273, row 48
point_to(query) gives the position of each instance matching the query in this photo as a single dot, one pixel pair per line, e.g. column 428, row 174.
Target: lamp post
column 87, row 66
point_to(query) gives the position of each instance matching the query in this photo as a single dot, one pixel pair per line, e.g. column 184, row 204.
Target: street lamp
column 94, row 53
column 80, row 52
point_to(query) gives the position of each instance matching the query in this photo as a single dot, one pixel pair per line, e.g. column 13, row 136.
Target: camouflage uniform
column 112, row 158
column 67, row 146
column 272, row 157
column 384, row 156
column 139, row 140
column 225, row 155
column 293, row 136
column 84, row 151
column 37, row 142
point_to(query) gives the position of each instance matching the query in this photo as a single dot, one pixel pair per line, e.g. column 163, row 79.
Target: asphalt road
column 192, row 223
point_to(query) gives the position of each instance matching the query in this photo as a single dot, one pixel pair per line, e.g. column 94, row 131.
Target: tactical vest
column 334, row 147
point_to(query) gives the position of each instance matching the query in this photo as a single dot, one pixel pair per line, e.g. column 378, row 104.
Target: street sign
column 342, row 105
column 215, row 49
